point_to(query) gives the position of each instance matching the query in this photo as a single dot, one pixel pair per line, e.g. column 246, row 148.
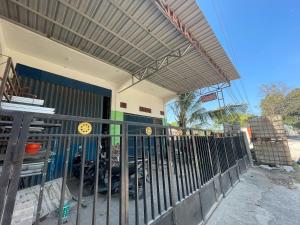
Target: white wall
column 135, row 99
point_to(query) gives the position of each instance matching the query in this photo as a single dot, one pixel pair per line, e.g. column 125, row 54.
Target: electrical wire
column 230, row 46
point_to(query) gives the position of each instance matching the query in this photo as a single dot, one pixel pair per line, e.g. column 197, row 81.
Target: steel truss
column 159, row 64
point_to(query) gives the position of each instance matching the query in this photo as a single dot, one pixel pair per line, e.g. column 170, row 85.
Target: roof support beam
column 159, row 64
column 165, row 9
column 213, row 88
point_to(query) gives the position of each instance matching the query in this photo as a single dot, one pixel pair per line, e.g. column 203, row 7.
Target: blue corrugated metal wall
column 69, row 97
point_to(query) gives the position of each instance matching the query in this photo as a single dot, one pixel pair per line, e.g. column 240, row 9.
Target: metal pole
column 16, row 166
column 224, row 139
column 44, row 174
column 211, row 165
column 64, row 183
column 109, row 174
column 81, row 182
column 169, row 166
column 235, row 156
column 8, row 164
column 124, row 176
column 98, row 153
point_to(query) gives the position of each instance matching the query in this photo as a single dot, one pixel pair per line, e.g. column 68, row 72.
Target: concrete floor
column 264, row 197
column 101, row 210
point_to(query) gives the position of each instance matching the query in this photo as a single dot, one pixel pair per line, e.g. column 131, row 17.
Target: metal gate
column 174, row 175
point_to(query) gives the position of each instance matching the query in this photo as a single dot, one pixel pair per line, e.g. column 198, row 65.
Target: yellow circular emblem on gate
column 84, row 128
column 148, row 131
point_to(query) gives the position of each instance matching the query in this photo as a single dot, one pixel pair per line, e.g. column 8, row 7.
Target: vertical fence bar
column 175, row 168
column 180, row 166
column 196, row 148
column 81, row 182
column 169, row 165
column 225, row 151
column 144, row 181
column 187, row 165
column 201, row 179
column 211, row 165
column 64, row 182
column 163, row 171
column 96, row 182
column 202, row 163
column 194, row 151
column 209, row 155
column 207, row 161
column 44, row 175
column 124, row 176
column 8, row 164
column 224, row 140
column 216, row 154
column 136, row 183
column 190, row 163
column 184, row 166
column 157, row 176
column 235, row 156
column 16, row 160
column 151, row 177
column 109, row 174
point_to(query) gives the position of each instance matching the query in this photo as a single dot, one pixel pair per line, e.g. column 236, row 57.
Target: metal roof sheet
column 131, row 35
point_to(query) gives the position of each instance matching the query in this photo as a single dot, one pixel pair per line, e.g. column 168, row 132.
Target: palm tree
column 188, row 111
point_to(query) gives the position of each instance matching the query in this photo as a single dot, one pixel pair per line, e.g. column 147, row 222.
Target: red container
column 33, row 148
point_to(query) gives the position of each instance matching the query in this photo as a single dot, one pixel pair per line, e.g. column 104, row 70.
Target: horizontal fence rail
column 142, row 174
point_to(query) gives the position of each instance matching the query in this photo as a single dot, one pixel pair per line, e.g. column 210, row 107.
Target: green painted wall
column 116, row 129
column 165, row 122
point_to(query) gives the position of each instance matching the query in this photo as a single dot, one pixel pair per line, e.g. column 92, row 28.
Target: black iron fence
column 167, row 172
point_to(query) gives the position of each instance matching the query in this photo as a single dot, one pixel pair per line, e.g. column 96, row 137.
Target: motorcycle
column 90, row 174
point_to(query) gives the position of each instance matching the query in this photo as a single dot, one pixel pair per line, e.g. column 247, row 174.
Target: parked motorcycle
column 90, row 173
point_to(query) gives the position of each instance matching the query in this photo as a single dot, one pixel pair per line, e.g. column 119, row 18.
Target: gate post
column 124, row 176
column 9, row 180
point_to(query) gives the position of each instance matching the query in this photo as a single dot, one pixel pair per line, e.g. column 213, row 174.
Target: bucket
column 33, row 148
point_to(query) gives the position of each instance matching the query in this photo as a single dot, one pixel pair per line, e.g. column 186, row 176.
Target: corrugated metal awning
column 133, row 35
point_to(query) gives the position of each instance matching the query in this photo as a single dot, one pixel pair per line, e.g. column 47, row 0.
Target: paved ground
column 262, row 197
